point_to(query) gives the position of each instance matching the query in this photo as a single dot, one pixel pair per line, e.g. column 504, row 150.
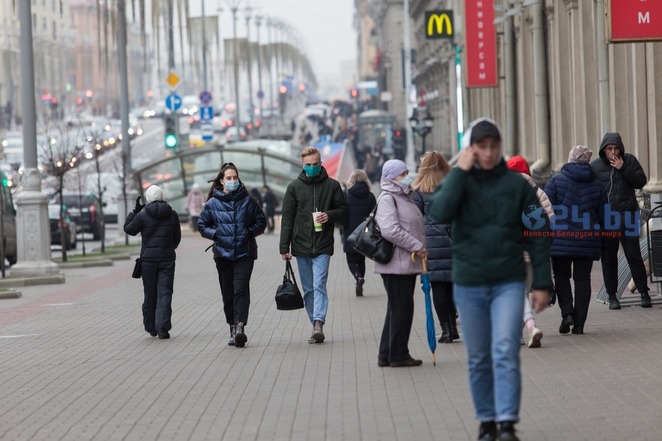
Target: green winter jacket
column 304, row 196
column 485, row 210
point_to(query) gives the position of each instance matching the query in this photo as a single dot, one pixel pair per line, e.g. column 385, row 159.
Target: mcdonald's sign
column 438, row 24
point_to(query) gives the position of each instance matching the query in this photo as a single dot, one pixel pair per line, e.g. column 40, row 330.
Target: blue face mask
column 406, row 181
column 231, row 185
column 312, row 170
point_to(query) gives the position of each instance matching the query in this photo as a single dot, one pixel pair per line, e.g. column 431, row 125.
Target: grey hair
column 358, row 175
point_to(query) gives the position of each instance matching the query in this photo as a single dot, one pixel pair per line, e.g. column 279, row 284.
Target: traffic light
column 354, row 93
column 171, row 130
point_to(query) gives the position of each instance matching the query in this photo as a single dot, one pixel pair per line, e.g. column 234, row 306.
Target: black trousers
column 356, row 263
column 580, row 269
column 271, row 223
column 399, row 317
column 234, row 276
column 158, row 280
column 442, row 297
column 609, row 260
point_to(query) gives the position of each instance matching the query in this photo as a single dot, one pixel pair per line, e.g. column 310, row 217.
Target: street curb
column 10, row 293
column 30, row 281
column 86, row 263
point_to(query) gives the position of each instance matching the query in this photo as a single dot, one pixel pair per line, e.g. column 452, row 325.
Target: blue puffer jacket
column 232, row 220
column 440, row 248
column 578, row 199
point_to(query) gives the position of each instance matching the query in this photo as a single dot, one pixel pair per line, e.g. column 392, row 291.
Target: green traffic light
column 171, row 141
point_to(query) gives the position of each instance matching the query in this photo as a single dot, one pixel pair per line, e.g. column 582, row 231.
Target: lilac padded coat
column 402, row 226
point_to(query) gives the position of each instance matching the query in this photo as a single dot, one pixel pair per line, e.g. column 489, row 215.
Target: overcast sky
column 326, row 25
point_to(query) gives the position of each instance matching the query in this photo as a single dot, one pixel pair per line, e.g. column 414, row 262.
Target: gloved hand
column 250, row 234
column 139, row 206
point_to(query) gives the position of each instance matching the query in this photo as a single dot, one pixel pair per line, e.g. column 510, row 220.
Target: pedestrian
column 269, row 204
column 158, row 224
column 312, row 205
column 401, row 223
column 579, row 199
column 232, row 219
column 621, row 174
column 360, row 202
column 432, row 171
column 195, row 200
column 255, row 194
column 518, row 164
column 485, row 203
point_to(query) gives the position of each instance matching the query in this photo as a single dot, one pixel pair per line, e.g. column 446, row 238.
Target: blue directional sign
column 173, row 102
column 205, row 97
column 206, row 113
column 207, row 131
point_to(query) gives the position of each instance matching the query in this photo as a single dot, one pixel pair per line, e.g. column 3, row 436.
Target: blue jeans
column 491, row 319
column 313, row 272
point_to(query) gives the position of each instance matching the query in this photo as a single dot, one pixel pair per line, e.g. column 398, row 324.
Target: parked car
column 234, row 135
column 84, row 210
column 58, row 225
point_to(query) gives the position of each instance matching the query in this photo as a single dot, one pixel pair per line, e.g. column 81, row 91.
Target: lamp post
column 248, row 11
column 258, row 22
column 421, row 123
column 236, row 68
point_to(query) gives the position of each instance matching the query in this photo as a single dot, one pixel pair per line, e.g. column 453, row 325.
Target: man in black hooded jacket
column 621, row 174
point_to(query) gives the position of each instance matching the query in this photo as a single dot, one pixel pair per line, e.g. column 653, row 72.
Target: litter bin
column 654, row 237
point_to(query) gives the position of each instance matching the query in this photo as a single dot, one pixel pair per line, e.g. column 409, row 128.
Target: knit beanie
column 153, row 193
column 580, row 153
column 393, row 168
column 518, row 164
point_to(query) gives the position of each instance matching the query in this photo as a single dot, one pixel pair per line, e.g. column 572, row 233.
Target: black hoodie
column 619, row 184
column 360, row 202
column 159, row 226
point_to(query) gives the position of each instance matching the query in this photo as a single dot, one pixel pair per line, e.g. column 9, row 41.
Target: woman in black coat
column 360, row 202
column 233, row 219
column 440, row 256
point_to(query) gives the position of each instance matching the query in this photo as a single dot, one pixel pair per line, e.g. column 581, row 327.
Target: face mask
column 312, row 170
column 406, row 181
column 231, row 185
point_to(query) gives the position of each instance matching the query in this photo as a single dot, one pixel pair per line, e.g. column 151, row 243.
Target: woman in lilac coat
column 401, row 223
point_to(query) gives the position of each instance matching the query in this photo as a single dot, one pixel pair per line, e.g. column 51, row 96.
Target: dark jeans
column 399, row 317
column 580, row 267
column 356, row 263
column 442, row 295
column 271, row 224
column 234, row 276
column 609, row 259
column 158, row 279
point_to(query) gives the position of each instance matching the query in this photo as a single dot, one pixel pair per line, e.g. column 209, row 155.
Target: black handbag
column 137, row 269
column 288, row 296
column 367, row 240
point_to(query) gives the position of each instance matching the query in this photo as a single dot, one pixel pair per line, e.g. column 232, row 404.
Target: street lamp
column 247, row 12
column 421, row 123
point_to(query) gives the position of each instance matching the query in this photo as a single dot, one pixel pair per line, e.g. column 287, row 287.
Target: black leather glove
column 139, row 206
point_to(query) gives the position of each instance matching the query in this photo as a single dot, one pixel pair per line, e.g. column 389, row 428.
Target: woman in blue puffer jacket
column 232, row 219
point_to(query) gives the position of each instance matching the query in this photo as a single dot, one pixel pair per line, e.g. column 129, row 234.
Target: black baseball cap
column 484, row 129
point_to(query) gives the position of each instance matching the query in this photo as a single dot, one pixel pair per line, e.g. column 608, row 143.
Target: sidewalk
column 75, row 364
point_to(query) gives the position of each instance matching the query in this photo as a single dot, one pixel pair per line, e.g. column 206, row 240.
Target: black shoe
column 163, row 336
column 646, row 300
column 507, row 431
column 407, row 363
column 239, row 336
column 445, row 333
column 487, row 431
column 383, row 363
column 152, row 333
column 613, row 302
column 359, row 286
column 454, row 334
column 578, row 329
column 318, row 333
column 233, row 331
column 567, row 321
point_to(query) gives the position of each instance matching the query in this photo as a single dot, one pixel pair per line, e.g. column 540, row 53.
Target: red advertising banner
column 634, row 20
column 481, row 53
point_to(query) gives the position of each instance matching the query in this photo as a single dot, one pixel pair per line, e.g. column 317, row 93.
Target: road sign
column 205, row 97
column 206, row 113
column 260, row 94
column 173, row 80
column 207, row 131
column 173, row 102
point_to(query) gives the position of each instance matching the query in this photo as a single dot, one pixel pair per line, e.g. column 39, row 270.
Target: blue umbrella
column 425, row 285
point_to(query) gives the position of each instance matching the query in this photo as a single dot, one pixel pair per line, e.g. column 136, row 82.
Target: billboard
column 438, row 24
column 481, row 51
column 628, row 20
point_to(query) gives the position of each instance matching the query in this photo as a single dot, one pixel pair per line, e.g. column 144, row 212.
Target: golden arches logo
column 439, row 24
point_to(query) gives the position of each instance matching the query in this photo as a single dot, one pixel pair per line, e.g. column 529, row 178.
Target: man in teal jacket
column 312, row 192
column 495, row 216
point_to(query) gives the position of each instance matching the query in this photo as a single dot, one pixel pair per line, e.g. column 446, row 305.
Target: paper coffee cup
column 318, row 225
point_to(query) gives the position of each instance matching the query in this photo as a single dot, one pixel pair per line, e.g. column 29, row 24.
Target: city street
column 76, row 364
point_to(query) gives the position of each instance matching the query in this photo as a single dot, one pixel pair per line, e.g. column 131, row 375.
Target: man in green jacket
column 312, row 205
column 495, row 216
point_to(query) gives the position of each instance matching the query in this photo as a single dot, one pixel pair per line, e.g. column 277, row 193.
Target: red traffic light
column 397, row 133
column 354, row 93
column 282, row 89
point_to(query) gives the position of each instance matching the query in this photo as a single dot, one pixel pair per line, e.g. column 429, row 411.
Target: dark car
column 58, row 225
column 85, row 211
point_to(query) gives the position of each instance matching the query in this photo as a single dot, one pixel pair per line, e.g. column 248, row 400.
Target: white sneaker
column 534, row 338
